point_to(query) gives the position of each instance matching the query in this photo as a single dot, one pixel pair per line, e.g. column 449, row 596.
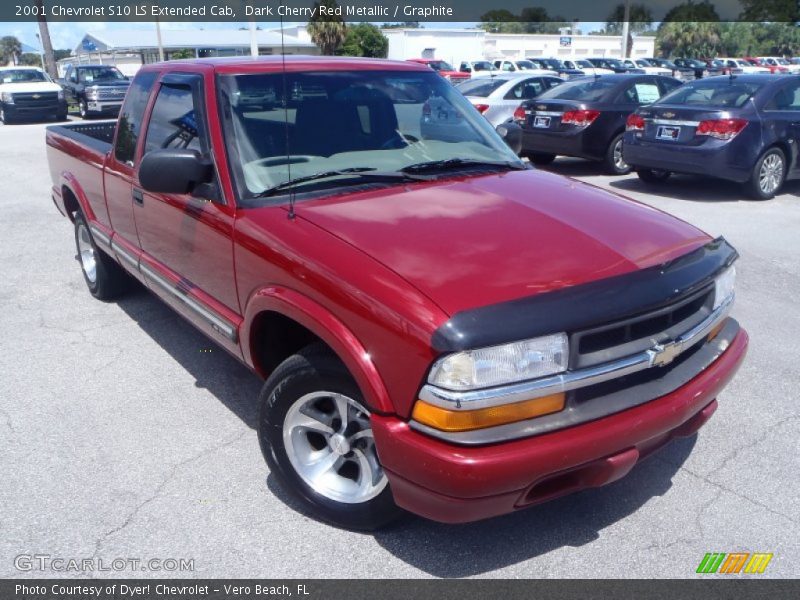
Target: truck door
column 187, row 240
column 119, row 168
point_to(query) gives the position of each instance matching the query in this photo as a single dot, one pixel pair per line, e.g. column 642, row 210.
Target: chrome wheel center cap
column 339, row 444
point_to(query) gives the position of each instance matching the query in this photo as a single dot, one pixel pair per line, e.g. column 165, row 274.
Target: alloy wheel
column 770, row 175
column 619, row 162
column 86, row 254
column 329, row 442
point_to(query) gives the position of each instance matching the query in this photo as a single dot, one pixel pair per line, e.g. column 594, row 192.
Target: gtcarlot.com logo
column 733, row 563
column 59, row 564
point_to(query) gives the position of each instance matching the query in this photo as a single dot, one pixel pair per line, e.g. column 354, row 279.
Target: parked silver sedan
column 496, row 98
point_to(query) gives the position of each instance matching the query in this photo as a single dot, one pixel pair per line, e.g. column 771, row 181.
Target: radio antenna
column 286, row 124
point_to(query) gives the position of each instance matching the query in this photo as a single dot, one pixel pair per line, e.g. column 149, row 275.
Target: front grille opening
column 648, row 375
column 645, row 326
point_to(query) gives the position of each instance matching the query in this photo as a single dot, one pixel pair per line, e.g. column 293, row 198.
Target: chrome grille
column 35, row 99
column 111, row 93
column 640, row 332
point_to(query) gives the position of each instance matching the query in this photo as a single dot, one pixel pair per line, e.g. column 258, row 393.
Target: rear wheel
column 613, row 160
column 316, row 436
column 104, row 277
column 653, row 175
column 541, row 158
column 768, row 175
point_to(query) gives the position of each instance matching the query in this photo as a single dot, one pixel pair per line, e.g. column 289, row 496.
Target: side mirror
column 174, row 171
column 511, row 133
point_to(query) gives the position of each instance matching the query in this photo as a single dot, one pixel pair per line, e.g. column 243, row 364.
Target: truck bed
column 98, row 136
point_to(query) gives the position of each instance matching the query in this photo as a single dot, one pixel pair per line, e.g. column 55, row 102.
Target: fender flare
column 322, row 323
column 70, row 182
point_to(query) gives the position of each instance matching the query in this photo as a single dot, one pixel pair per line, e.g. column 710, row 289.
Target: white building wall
column 455, row 45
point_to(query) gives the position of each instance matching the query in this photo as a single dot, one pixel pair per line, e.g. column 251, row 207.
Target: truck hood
column 29, row 87
column 476, row 241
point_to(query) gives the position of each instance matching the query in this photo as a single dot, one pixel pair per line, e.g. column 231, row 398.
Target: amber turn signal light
column 717, row 328
column 444, row 419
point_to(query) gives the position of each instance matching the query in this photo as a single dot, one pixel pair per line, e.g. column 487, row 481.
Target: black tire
column 110, row 280
column 541, row 158
column 756, row 185
column 315, row 370
column 614, row 164
column 653, row 175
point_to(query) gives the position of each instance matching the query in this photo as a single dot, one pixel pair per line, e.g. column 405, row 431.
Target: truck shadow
column 211, row 366
column 472, row 549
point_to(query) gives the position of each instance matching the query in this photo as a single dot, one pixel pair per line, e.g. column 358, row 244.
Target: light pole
column 625, row 28
column 41, row 51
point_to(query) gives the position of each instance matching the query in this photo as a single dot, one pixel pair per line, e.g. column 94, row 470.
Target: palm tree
column 47, row 46
column 681, row 38
column 327, row 32
column 10, row 48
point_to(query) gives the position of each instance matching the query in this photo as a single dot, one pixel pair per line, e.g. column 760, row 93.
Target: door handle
column 138, row 197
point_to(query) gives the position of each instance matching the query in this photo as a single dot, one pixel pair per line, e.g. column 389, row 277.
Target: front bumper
column 581, row 143
column 454, row 484
column 103, row 107
column 52, row 109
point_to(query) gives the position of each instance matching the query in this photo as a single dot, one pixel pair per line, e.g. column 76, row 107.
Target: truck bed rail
column 98, row 136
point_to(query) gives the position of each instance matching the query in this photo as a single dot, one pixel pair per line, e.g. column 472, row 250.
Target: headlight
column 724, row 286
column 498, row 365
column 60, row 94
column 7, row 97
column 92, row 93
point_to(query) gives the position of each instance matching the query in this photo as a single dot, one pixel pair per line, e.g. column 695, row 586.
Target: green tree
column 693, row 39
column 403, row 25
column 692, row 12
column 737, row 39
column 770, row 10
column 640, row 18
column 365, row 39
column 328, row 31
column 10, row 49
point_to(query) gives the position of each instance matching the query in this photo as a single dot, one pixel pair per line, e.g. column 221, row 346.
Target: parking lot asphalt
column 124, row 433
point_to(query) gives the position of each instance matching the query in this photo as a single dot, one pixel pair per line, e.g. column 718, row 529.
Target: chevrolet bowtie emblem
column 663, row 354
column 36, row 96
column 668, row 115
column 540, row 106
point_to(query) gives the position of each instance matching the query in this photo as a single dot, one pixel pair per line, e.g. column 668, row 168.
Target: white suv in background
column 584, row 65
column 478, row 68
column 647, row 67
column 29, row 93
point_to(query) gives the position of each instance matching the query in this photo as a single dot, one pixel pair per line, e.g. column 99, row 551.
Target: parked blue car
column 744, row 128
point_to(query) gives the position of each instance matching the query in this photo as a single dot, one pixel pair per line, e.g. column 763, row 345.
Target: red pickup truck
column 442, row 328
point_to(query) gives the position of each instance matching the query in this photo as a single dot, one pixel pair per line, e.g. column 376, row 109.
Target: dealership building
column 130, row 49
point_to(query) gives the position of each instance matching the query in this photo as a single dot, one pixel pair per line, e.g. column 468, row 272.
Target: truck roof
column 295, row 62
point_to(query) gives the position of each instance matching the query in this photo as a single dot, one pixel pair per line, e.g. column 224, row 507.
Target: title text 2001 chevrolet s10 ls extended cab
column 441, row 328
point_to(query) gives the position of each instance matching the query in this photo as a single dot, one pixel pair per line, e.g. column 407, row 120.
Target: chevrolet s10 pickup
column 442, row 328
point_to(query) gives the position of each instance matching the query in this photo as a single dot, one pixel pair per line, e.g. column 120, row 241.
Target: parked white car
column 478, row 68
column 738, row 65
column 522, row 66
column 647, row 67
column 585, row 66
column 778, row 62
column 29, row 93
column 497, row 98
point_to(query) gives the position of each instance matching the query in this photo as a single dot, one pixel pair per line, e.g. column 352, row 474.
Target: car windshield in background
column 440, row 65
column 617, row 64
column 368, row 123
column 94, row 74
column 525, row 65
column 584, row 64
column 22, row 76
column 481, row 87
column 483, row 65
column 722, row 93
column 585, row 89
column 552, row 63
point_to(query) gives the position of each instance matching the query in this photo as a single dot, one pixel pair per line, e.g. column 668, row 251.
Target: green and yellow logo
column 736, row 562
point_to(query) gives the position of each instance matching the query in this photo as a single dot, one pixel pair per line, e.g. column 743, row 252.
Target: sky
column 67, row 35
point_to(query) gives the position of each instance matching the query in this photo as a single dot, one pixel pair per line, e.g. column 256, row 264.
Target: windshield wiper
column 459, row 163
column 367, row 172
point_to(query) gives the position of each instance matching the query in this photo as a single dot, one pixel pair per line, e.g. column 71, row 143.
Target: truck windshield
column 95, row 74
column 22, row 76
column 286, row 127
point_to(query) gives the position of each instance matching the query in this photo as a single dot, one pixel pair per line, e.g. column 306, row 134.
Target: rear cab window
column 724, row 93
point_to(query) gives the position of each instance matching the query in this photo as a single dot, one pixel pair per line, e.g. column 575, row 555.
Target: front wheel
column 84, row 109
column 768, row 175
column 613, row 161
column 653, row 175
column 541, row 158
column 315, row 434
column 4, row 118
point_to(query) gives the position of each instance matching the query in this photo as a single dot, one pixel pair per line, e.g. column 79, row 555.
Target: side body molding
column 327, row 327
